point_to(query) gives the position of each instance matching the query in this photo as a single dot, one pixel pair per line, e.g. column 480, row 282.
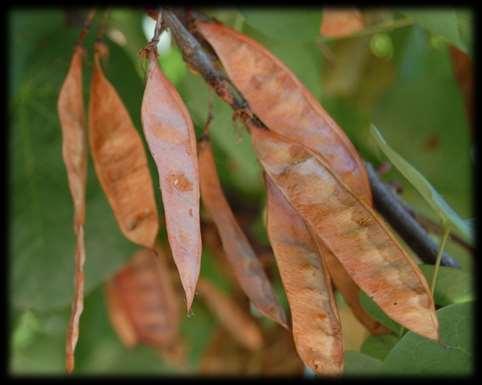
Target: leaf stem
column 439, row 256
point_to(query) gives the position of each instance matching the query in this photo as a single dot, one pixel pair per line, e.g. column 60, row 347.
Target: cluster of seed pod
column 321, row 222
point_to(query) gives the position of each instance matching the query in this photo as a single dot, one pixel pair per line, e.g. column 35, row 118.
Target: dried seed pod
column 349, row 289
column 70, row 108
column 284, row 104
column 315, row 319
column 247, row 267
column 351, row 230
column 143, row 306
column 169, row 132
column 120, row 161
column 241, row 326
column 341, row 22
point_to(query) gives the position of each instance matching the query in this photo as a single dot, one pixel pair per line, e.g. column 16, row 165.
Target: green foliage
column 290, row 24
column 379, row 346
column 374, row 310
column 358, row 364
column 415, row 355
column 440, row 206
column 453, row 285
column 454, row 25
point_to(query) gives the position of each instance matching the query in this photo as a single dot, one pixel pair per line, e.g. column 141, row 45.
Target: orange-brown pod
column 349, row 289
column 70, row 108
column 284, row 104
column 120, row 160
column 351, row 230
column 142, row 302
column 241, row 326
column 247, row 267
column 315, row 320
column 340, row 22
column 170, row 134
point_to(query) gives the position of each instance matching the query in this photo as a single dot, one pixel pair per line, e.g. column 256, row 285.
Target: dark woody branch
column 200, row 58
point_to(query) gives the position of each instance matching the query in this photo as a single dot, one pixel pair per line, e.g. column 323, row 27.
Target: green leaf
column 290, row 24
column 25, row 330
column 455, row 26
column 379, row 346
column 438, row 204
column 415, row 355
column 465, row 24
column 374, row 310
column 358, row 364
column 453, row 285
column 27, row 33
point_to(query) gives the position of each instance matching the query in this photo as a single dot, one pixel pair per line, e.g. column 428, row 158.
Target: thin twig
column 387, row 204
column 86, row 27
column 439, row 257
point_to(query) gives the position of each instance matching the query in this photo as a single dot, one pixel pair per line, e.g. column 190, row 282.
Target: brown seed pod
column 169, row 132
column 351, row 230
column 349, row 289
column 284, row 104
column 241, row 326
column 143, row 306
column 247, row 267
column 70, row 108
column 315, row 319
column 120, row 161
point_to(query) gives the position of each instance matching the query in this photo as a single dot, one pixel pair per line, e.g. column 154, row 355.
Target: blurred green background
column 397, row 75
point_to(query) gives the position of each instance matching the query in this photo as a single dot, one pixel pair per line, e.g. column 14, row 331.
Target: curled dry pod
column 241, row 326
column 120, row 161
column 70, row 108
column 316, row 324
column 284, row 104
column 142, row 303
column 247, row 267
column 169, row 132
column 351, row 230
column 349, row 289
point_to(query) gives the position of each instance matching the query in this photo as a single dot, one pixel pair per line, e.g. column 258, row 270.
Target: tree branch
column 204, row 62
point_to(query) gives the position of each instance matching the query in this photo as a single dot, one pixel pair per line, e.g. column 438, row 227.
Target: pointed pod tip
column 69, row 364
column 282, row 320
column 190, row 293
